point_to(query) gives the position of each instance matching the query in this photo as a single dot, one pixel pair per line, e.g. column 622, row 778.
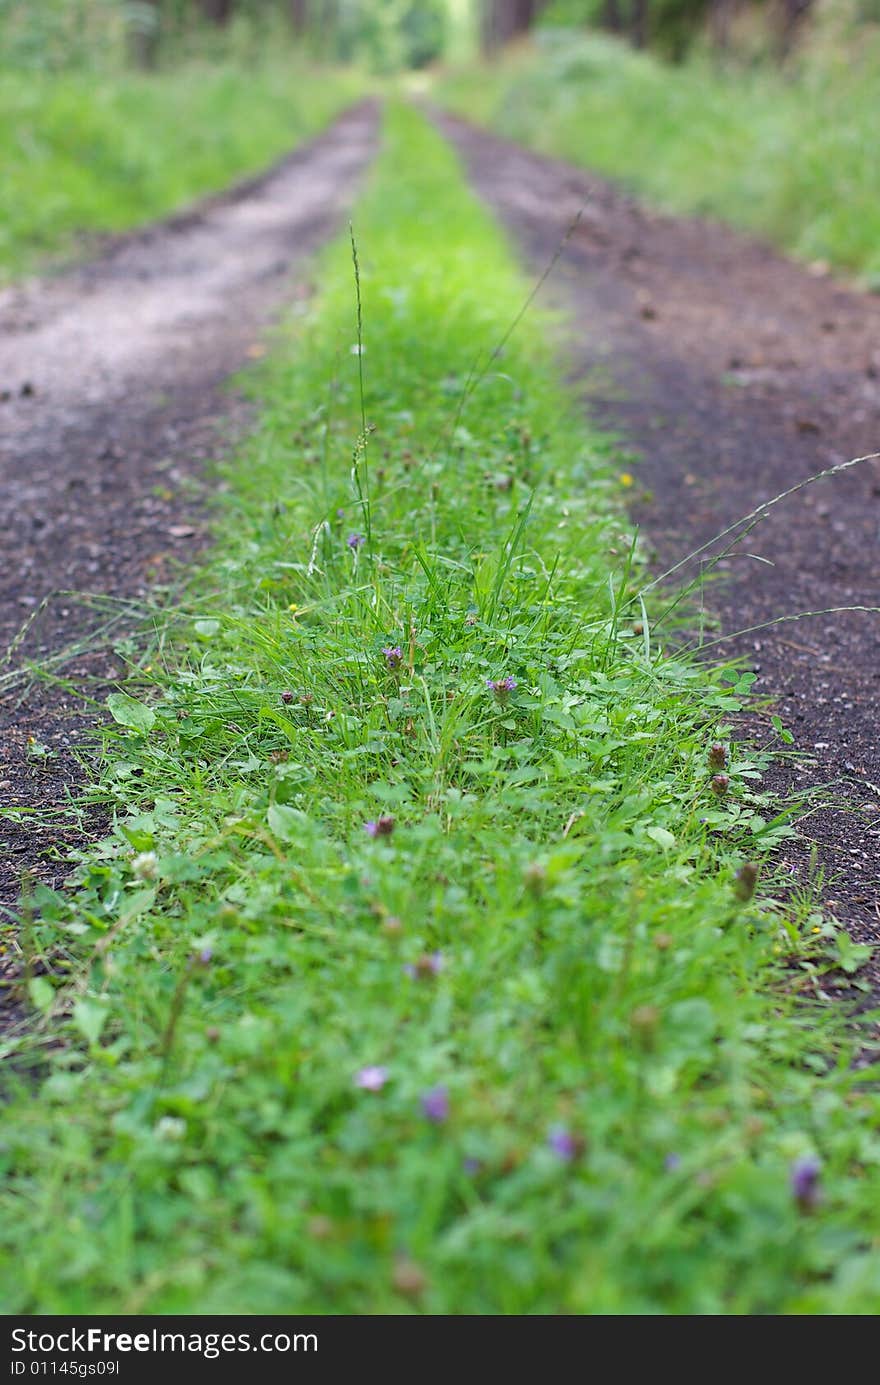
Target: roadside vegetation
column 790, row 153
column 85, row 156
column 421, row 968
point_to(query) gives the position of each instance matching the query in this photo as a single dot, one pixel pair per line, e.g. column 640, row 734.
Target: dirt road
column 736, row 373
column 110, row 397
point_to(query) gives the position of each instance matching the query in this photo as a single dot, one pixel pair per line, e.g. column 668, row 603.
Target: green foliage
column 671, row 26
column 53, row 35
column 71, row 35
column 794, row 158
column 247, row 999
column 389, row 34
column 81, row 155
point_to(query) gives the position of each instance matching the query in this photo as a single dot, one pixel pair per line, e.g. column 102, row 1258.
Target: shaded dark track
column 735, row 373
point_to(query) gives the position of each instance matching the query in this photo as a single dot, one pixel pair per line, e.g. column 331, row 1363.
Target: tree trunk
column 639, row 23
column 217, row 11
column 299, row 15
column 504, row 20
column 142, row 35
column 325, row 29
column 721, row 13
column 792, row 14
column 612, row 19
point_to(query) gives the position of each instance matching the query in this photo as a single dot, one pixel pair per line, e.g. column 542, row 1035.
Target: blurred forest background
column 763, row 112
column 393, row 34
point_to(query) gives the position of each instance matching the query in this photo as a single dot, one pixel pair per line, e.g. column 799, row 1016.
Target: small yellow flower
column 817, row 930
column 625, row 479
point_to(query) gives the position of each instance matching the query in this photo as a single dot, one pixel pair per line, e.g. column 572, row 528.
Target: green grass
column 796, row 159
column 96, row 152
column 632, row 1056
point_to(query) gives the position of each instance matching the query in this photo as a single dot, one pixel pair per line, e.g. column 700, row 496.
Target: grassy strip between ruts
column 394, row 991
column 102, row 153
column 796, row 160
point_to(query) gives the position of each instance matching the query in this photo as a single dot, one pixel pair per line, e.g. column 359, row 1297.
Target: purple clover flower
column 428, row 965
column 564, row 1144
column 371, row 1079
column 393, row 656
column 382, row 827
column 354, row 541
column 804, row 1181
column 287, row 697
column 501, row 687
column 435, row 1105
column 672, row 1162
column 472, row 1166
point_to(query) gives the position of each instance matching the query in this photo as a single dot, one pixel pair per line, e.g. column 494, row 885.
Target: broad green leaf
column 42, row 993
column 129, row 712
column 90, row 1016
column 661, row 837
column 290, row 824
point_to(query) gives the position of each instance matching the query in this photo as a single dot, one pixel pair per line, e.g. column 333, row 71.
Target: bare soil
column 111, row 400
column 736, row 373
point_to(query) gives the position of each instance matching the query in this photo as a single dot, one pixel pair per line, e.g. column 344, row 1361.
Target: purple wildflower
column 472, row 1166
column 371, row 1079
column 382, row 827
column 672, row 1162
column 501, row 687
column 804, row 1181
column 354, row 541
column 393, row 656
column 287, row 697
column 429, row 964
column 435, row 1105
column 719, row 784
column 564, row 1144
